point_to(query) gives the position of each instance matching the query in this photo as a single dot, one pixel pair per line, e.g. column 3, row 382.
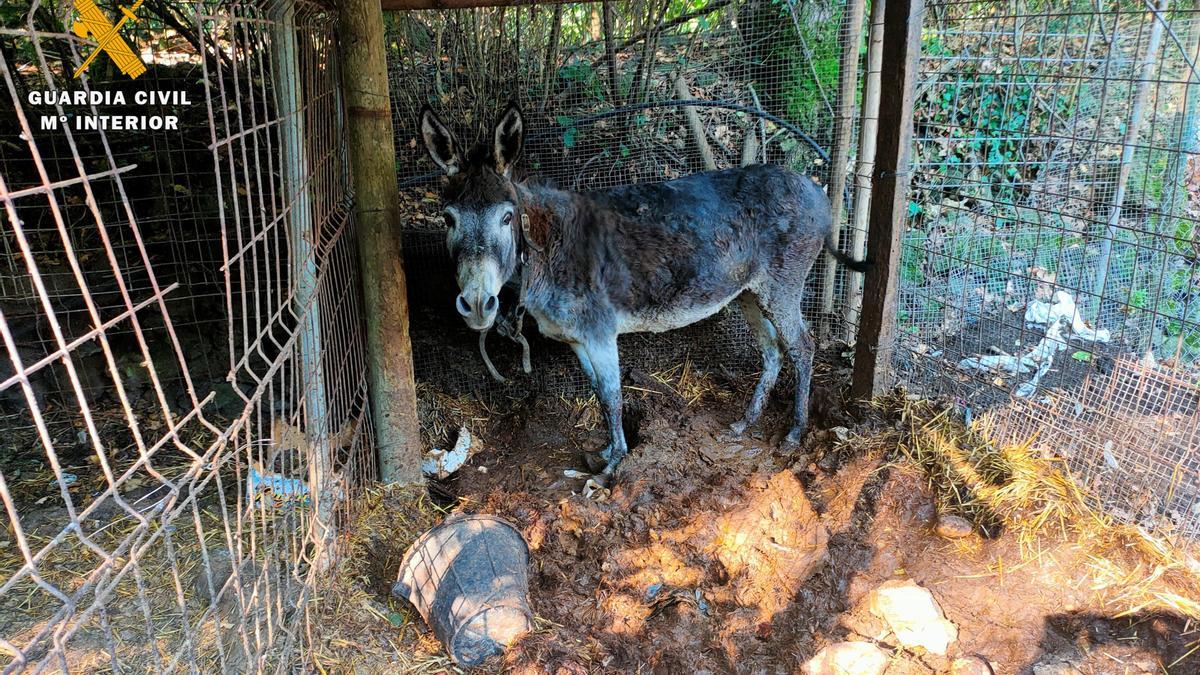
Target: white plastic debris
column 1064, row 309
column 1109, row 458
column 594, row 491
column 992, row 362
column 1027, row 389
column 278, row 490
column 442, row 463
column 1040, row 359
column 913, row 615
column 1037, row 312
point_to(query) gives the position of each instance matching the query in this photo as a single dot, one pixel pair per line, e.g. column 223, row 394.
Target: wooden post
column 376, row 215
column 868, row 132
column 844, row 126
column 873, row 351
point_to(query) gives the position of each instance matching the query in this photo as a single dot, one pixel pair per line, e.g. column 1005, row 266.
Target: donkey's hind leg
column 768, row 344
column 785, row 313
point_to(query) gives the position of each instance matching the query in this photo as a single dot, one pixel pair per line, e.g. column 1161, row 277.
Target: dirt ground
column 713, row 554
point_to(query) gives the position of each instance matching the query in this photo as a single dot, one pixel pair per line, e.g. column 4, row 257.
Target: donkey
column 593, row 265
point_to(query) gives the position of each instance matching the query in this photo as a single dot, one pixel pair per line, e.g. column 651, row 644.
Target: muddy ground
column 713, row 554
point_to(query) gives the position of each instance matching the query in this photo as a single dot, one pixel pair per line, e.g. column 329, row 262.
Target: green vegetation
column 1031, row 147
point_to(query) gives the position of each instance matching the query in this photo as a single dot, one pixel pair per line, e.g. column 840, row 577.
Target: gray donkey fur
column 635, row 258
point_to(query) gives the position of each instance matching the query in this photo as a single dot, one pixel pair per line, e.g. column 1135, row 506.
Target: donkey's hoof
column 614, row 455
column 792, row 440
column 738, row 428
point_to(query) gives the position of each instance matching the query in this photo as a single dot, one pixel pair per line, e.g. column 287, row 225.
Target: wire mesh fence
column 599, row 84
column 182, row 395
column 1049, row 261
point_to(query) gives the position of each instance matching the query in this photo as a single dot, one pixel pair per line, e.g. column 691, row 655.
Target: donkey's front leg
column 601, row 352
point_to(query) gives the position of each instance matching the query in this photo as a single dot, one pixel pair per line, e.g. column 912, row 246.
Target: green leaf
column 395, row 619
column 569, row 137
column 624, row 150
column 564, row 121
column 1082, row 356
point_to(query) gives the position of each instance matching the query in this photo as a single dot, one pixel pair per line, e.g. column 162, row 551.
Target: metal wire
column 684, row 103
column 182, row 396
column 1049, row 268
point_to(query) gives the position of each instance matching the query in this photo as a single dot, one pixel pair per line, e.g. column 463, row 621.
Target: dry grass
column 1036, row 500
column 157, row 563
column 681, row 381
column 359, row 628
column 691, row 385
column 441, row 415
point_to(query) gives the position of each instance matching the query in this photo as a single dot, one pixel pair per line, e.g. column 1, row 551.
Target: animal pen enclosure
column 602, row 87
column 185, row 398
column 1048, row 254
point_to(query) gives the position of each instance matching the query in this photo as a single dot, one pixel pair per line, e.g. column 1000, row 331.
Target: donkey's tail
column 856, row 265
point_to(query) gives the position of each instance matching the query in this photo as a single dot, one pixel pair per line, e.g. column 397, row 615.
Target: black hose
column 678, row 103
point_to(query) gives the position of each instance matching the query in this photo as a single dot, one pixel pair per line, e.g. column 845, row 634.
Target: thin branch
column 610, row 54
column 681, row 19
column 549, row 69
column 164, row 13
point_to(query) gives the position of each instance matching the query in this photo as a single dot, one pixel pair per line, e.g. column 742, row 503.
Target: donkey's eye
column 508, row 217
column 449, row 217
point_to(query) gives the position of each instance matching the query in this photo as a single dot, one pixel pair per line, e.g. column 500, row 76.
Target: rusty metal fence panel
column 182, row 396
column 1049, row 263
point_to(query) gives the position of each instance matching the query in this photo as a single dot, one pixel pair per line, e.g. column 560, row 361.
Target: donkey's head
column 480, row 209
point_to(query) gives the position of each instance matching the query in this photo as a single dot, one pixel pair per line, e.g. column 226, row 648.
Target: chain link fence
column 1049, row 263
column 182, row 395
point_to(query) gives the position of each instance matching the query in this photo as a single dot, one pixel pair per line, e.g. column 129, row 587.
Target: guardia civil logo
column 93, row 23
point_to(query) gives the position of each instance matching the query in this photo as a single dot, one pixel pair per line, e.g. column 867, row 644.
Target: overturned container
column 469, row 579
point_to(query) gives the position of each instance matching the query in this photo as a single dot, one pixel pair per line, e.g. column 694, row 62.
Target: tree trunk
column 696, row 126
column 868, row 130
column 376, row 215
column 847, row 78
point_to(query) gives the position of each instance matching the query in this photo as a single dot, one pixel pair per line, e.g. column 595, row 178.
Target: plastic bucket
column 469, row 579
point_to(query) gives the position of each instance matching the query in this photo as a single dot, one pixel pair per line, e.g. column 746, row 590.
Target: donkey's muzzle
column 478, row 311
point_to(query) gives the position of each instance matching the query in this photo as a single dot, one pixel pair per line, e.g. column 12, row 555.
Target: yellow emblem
column 93, row 22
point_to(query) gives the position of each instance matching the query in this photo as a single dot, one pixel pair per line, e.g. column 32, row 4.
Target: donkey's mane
column 541, row 224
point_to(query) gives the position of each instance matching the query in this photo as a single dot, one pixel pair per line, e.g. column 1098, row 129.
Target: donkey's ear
column 440, row 142
column 509, row 136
